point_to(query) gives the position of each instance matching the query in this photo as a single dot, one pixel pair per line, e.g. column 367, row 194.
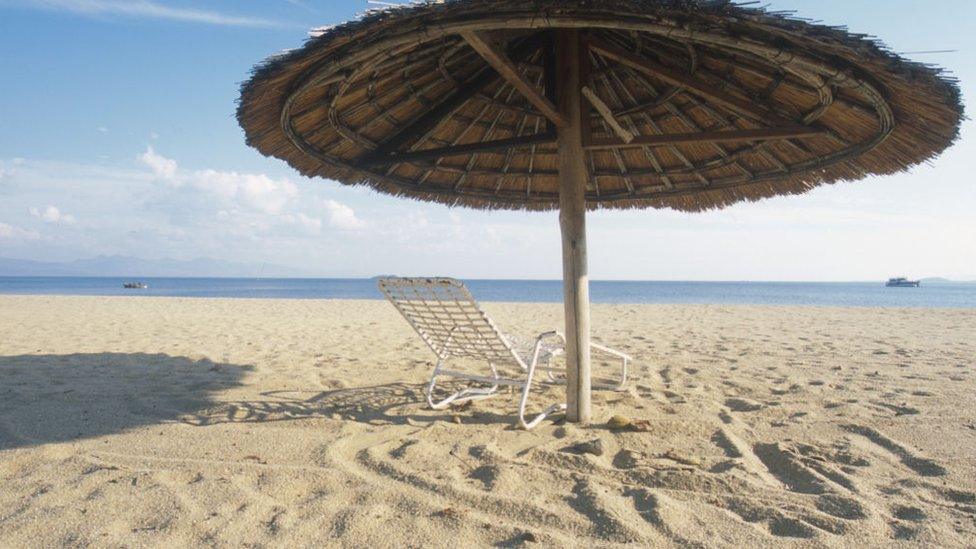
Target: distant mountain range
column 940, row 280
column 124, row 266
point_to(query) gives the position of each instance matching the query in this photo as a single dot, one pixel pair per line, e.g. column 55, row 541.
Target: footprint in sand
column 958, row 496
column 841, row 507
column 903, row 532
column 908, row 512
column 921, row 465
column 900, row 410
column 786, row 466
column 743, row 405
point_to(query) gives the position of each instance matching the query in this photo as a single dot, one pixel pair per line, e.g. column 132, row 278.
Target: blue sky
column 117, row 136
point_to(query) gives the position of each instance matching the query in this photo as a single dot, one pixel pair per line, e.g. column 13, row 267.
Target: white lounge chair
column 449, row 320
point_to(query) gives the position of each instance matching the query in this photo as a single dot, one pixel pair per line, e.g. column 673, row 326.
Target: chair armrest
column 609, row 351
column 551, row 334
column 596, row 346
column 624, row 358
column 540, row 339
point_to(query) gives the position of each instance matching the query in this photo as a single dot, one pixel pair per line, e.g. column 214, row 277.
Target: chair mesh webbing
column 447, row 317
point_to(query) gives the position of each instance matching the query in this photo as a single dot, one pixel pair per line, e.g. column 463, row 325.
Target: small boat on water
column 135, row 285
column 902, row 282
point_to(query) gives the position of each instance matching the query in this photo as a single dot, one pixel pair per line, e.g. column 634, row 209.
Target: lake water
column 843, row 294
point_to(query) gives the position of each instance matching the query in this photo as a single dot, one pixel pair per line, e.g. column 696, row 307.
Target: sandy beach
column 212, row 422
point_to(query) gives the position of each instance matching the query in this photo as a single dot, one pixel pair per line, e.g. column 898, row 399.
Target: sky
column 118, row 137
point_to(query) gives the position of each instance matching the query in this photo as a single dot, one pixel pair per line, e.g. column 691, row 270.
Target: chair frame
column 447, row 317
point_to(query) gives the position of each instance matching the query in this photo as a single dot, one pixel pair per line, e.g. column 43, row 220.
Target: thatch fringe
column 325, row 106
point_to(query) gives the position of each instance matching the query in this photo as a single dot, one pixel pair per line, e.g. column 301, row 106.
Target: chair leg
column 623, row 374
column 468, row 393
column 549, row 372
column 528, row 387
column 430, row 386
column 624, row 365
column 616, row 385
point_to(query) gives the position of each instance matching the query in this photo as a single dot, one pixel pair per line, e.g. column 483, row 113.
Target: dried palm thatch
column 689, row 104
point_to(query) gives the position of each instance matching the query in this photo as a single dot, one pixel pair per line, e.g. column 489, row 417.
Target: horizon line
column 476, row 279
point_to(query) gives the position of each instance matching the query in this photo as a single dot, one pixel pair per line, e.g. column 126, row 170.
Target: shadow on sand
column 60, row 398
column 63, row 398
column 392, row 403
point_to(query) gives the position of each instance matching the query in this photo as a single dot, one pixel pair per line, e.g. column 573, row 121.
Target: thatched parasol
column 579, row 105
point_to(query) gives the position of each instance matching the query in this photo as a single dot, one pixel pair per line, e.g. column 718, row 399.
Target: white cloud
column 52, row 214
column 309, row 222
column 160, row 165
column 146, row 9
column 310, row 225
column 842, row 232
column 6, row 168
column 102, row 129
column 16, row 233
column 341, row 216
column 255, row 191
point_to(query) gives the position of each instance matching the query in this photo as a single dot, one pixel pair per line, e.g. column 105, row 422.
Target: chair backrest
column 447, row 318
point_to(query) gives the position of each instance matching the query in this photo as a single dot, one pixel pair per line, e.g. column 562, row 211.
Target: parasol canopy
column 576, row 105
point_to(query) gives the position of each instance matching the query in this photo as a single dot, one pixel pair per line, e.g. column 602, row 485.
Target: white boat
column 135, row 285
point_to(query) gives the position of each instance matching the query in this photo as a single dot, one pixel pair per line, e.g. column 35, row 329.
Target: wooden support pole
column 748, row 108
column 425, row 124
column 461, row 150
column 572, row 222
column 507, row 69
column 720, row 136
column 607, row 115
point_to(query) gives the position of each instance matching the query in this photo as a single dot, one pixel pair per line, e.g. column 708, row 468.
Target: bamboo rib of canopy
column 579, row 105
